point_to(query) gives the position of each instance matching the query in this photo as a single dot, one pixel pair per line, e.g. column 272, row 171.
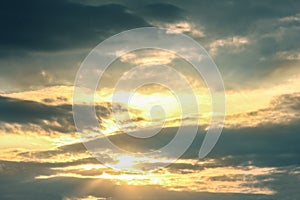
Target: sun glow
column 216, row 179
column 126, row 162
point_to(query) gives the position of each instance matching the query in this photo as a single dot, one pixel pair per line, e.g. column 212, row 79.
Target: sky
column 254, row 44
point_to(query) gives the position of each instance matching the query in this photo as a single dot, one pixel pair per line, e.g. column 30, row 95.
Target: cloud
column 157, row 57
column 56, row 43
column 256, row 45
column 236, row 180
column 59, row 188
column 59, row 24
column 282, row 109
column 258, row 22
column 162, row 12
column 285, row 55
column 252, row 160
column 51, row 38
column 23, row 115
column 30, row 112
column 295, row 18
column 235, row 43
column 269, row 134
column 86, row 198
column 13, row 110
column 185, row 27
column 235, row 17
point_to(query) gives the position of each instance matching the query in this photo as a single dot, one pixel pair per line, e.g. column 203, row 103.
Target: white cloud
column 234, row 42
column 156, row 57
column 86, row 198
column 182, row 27
column 288, row 55
column 294, row 18
column 225, row 179
column 185, row 27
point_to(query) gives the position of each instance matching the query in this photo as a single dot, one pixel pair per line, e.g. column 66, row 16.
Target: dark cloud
column 282, row 109
column 48, row 154
column 264, row 146
column 288, row 103
column 53, row 36
column 49, row 100
column 268, row 145
column 260, row 22
column 163, row 12
column 14, row 110
column 58, row 24
column 227, row 18
column 30, row 112
column 41, row 35
column 18, row 183
column 48, row 117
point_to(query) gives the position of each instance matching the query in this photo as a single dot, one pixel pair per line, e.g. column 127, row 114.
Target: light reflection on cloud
column 216, row 180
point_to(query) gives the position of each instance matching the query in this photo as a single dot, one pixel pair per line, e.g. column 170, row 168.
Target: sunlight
column 219, row 179
column 126, row 162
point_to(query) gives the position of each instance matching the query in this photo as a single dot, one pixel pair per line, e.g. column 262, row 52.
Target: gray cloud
column 62, row 27
column 17, row 182
column 264, row 146
column 58, row 24
column 30, row 112
column 162, row 12
column 267, row 144
column 14, row 110
column 54, row 36
column 50, row 118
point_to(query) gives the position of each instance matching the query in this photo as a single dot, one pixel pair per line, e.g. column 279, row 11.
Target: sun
column 126, row 162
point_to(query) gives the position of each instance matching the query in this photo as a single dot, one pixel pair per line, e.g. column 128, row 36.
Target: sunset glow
column 136, row 100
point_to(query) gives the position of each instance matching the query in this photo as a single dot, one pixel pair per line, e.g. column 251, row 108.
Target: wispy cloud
column 235, row 43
